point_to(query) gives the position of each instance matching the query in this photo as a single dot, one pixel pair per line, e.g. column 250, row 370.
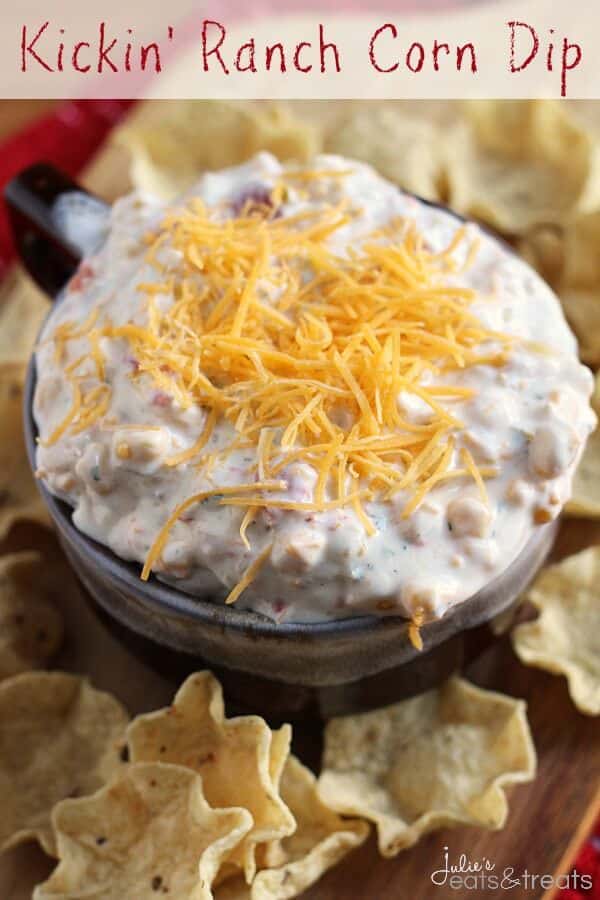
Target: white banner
column 328, row 50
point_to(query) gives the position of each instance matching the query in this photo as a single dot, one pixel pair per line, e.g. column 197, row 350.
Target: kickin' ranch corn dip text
column 303, row 391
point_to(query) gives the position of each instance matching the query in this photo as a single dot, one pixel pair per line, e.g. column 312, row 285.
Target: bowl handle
column 49, row 247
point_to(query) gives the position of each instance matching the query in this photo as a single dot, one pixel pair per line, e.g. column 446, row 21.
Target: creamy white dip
column 528, row 418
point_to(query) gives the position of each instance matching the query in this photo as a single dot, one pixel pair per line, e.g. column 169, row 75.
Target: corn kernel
column 541, row 515
column 123, row 450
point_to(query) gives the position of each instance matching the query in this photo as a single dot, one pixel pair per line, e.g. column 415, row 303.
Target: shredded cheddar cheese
column 195, row 449
column 179, row 510
column 249, row 575
column 414, row 628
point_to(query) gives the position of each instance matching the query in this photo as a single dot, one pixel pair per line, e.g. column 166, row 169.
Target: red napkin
column 588, row 864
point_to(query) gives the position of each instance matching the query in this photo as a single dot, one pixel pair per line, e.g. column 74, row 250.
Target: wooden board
column 544, row 816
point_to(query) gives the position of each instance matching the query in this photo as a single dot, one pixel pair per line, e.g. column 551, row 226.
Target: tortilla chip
column 19, row 497
column 233, row 889
column 271, row 853
column 172, row 144
column 582, row 309
column 31, row 627
column 585, row 494
column 543, row 247
column 503, row 622
column 403, row 148
column 436, row 760
column 585, row 500
column 565, row 638
column 234, row 757
column 579, row 285
column 59, row 738
column 270, row 850
column 321, row 840
column 519, row 164
column 23, row 308
column 150, row 831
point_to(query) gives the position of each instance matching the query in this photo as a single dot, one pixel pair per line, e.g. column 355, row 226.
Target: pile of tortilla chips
column 185, row 802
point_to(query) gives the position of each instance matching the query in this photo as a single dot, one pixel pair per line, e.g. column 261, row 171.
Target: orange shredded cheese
column 195, row 449
column 248, row 519
column 249, row 575
column 163, row 535
column 471, row 465
column 414, row 629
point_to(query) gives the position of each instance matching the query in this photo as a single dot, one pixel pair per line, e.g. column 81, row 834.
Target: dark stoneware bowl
column 282, row 670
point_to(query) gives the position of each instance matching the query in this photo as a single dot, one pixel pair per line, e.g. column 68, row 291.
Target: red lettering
column 297, row 53
column 460, row 52
column 75, row 57
column 214, row 50
column 29, row 48
column 250, row 66
column 567, row 64
column 388, row 26
column 323, row 46
column 420, row 57
column 513, row 37
column 269, row 57
column 145, row 52
column 61, row 52
column 549, row 53
column 104, row 50
column 436, row 50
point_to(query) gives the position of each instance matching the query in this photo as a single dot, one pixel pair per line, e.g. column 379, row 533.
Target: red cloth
column 588, row 864
column 68, row 137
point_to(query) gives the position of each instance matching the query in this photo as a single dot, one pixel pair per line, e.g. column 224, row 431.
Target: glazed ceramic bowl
column 288, row 669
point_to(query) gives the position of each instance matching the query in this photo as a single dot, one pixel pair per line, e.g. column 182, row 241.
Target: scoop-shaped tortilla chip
column 22, row 310
column 322, row 838
column 581, row 306
column 31, row 627
column 402, row 147
column 579, row 284
column 149, row 832
column 435, row 760
column 172, row 145
column 585, row 496
column 565, row 638
column 59, row 738
column 19, row 497
column 519, row 164
column 585, row 500
column 280, row 752
column 232, row 755
column 543, row 247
